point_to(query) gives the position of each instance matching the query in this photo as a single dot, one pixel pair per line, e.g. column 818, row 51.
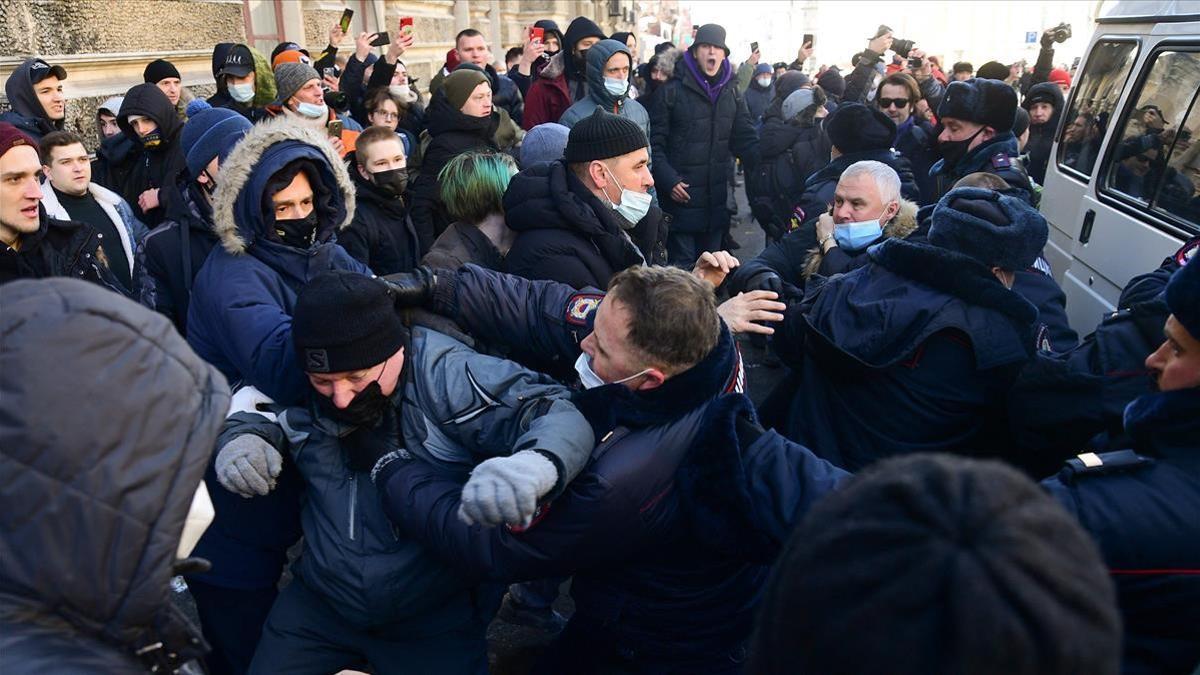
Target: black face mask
column 209, row 187
column 953, row 151
column 365, row 409
column 297, row 232
column 581, row 60
column 152, row 140
column 392, row 182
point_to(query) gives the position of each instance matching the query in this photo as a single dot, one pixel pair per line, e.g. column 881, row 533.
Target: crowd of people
column 411, row 360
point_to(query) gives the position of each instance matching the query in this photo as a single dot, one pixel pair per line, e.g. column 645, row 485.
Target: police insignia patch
column 1001, row 161
column 1187, row 252
column 581, row 306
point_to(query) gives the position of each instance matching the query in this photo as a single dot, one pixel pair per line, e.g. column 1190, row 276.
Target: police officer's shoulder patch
column 1001, row 161
column 581, row 306
column 1099, row 464
column 1187, row 252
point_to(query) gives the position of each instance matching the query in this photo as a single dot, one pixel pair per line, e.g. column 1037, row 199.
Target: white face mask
column 401, row 90
column 616, row 86
column 764, row 81
column 199, row 517
column 588, row 377
column 242, row 93
column 634, row 205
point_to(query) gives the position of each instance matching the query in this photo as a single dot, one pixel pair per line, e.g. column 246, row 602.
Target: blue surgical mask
column 588, row 377
column 242, row 93
column 634, row 205
column 857, row 236
column 312, row 111
column 616, row 86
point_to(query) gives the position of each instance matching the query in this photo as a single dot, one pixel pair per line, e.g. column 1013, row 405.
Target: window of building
column 1093, row 105
column 1155, row 161
column 264, row 23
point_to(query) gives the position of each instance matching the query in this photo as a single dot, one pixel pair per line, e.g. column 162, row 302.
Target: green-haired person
column 472, row 188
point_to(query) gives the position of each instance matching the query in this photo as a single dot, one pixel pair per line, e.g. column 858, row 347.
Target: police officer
column 1142, row 505
column 976, row 117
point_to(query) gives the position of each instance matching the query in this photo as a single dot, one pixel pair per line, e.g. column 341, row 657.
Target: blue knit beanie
column 544, row 143
column 1183, row 296
column 210, row 132
column 993, row 228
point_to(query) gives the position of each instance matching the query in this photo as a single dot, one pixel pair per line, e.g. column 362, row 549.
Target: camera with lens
column 1061, row 32
column 337, row 100
column 900, row 46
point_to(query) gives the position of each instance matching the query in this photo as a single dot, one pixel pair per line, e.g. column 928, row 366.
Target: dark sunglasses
column 889, row 102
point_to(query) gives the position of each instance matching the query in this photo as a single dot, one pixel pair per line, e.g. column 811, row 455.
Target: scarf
column 725, row 74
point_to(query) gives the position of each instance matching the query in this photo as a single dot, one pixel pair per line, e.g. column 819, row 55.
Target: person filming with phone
column 303, row 100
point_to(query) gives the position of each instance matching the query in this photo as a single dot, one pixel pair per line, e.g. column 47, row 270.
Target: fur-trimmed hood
column 555, row 67
column 238, row 217
column 667, row 60
column 900, row 226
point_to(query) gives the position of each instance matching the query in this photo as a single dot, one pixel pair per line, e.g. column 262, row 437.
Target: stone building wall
column 105, row 44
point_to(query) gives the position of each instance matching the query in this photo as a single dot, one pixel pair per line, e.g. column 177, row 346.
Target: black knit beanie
column 603, row 135
column 343, row 322
column 158, row 70
column 938, row 564
column 853, row 127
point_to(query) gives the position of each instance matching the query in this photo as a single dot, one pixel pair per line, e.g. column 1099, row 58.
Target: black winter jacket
column 94, row 502
column 564, row 233
column 916, row 141
column 157, row 166
column 382, row 235
column 1041, row 136
column 790, row 154
column 451, row 133
column 27, row 113
column 59, row 248
column 175, row 250
column 692, row 139
column 116, row 158
column 670, row 528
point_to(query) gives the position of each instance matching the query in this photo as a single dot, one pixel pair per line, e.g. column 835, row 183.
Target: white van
column 1122, row 188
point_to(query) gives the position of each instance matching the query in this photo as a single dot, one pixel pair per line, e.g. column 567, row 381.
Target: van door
column 1093, row 103
column 1143, row 198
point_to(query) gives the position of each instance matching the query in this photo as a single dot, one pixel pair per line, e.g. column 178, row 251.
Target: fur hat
column 987, row 102
column 854, row 127
column 1183, row 295
column 938, row 564
column 993, row 228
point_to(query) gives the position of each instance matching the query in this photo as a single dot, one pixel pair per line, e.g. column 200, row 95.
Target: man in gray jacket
column 362, row 592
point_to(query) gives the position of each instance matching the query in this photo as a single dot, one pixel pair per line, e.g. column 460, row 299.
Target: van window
column 1155, row 161
column 1093, row 104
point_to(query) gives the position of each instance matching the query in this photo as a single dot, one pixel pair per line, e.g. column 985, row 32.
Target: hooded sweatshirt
column 158, row 165
column 86, row 574
column 1041, row 136
column 561, row 83
column 27, row 113
column 598, row 55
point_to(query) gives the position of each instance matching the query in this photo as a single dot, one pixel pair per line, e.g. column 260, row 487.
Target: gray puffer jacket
column 107, row 419
column 458, row 408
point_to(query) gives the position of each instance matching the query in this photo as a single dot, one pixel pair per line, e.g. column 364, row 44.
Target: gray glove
column 248, row 466
column 507, row 489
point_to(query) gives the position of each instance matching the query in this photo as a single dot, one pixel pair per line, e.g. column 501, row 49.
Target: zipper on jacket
column 353, row 505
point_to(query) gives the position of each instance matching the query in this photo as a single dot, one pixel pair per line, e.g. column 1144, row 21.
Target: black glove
column 765, row 280
column 411, row 289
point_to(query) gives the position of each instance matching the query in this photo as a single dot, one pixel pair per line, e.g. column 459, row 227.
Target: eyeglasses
column 889, row 102
column 386, row 116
